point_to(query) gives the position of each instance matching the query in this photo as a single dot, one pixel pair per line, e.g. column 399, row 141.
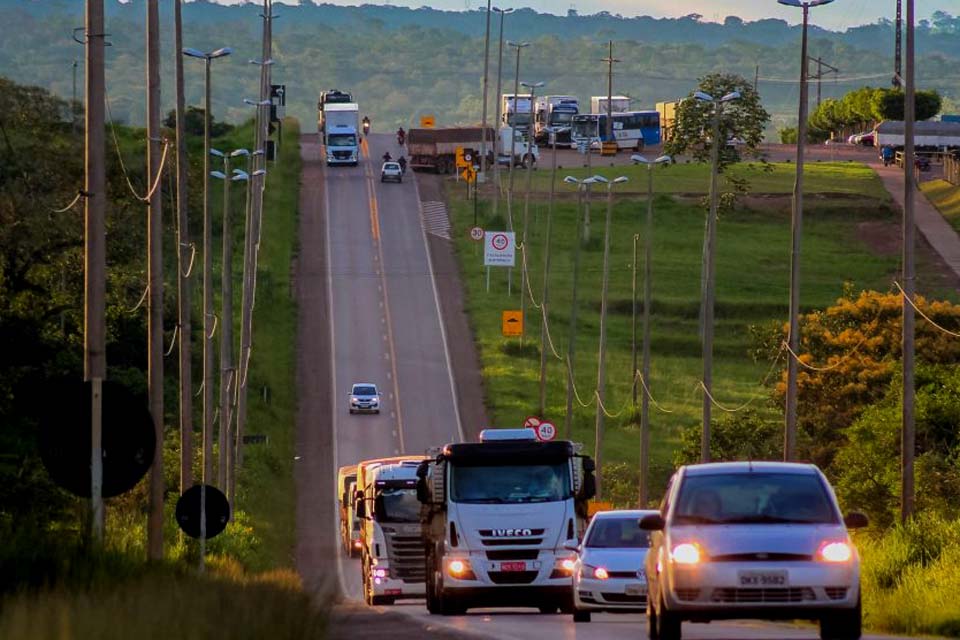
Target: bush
column 750, row 435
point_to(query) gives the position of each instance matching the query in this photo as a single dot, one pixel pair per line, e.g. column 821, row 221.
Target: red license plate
column 513, row 566
column 393, row 592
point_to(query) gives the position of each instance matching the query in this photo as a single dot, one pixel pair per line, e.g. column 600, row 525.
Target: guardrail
column 951, row 170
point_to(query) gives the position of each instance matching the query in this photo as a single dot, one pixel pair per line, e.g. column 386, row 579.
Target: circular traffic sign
column 467, row 157
column 499, row 241
column 476, row 233
column 216, row 507
column 546, row 431
column 532, row 422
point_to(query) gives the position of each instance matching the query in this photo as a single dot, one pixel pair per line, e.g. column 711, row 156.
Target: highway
column 385, row 327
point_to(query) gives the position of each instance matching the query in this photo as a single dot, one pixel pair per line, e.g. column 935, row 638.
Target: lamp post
column 647, row 300
column 710, row 266
column 602, row 353
column 513, row 132
column 532, row 86
column 545, row 294
column 790, row 426
column 496, row 136
column 486, row 74
column 572, row 339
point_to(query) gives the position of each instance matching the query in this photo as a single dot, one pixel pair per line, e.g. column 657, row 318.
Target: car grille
column 406, row 557
column 587, row 596
column 836, row 593
column 488, row 540
column 622, row 598
column 688, row 594
column 762, row 557
column 622, row 574
column 512, row 577
column 513, row 554
column 738, row 595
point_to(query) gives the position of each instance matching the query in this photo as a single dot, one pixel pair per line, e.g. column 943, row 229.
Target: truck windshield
column 561, row 117
column 508, row 484
column 342, row 140
column 397, row 505
column 518, row 119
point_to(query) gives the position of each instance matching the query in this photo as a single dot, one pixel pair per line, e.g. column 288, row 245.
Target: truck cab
column 391, row 543
column 554, row 115
column 341, row 136
column 497, row 515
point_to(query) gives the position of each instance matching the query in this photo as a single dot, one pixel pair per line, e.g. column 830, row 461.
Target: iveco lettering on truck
column 390, row 531
column 341, row 125
column 496, row 517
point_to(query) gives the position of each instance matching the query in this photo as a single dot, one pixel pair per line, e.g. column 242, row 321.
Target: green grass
column 945, row 197
column 778, row 178
column 752, row 280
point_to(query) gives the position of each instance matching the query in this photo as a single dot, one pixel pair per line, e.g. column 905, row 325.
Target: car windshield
column 397, row 505
column 391, row 166
column 754, row 498
column 617, row 533
column 505, row 484
column 364, row 391
column 341, row 140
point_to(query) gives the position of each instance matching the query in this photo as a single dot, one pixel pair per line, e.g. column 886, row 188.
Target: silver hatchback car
column 761, row 540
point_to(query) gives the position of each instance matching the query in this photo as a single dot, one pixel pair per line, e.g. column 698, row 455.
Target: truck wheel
column 383, row 600
column 581, row 616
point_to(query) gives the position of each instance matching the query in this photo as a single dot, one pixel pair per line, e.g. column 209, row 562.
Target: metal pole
column 486, row 66
column 610, row 62
column 227, row 376
column 95, row 266
column 909, row 275
column 208, row 316
column 526, row 214
column 602, row 352
column 647, row 304
column 708, row 289
column 897, row 67
column 73, row 103
column 513, row 141
column 633, row 322
column 184, row 280
column 572, row 339
column 155, row 279
column 790, row 435
column 586, row 203
column 496, row 127
column 544, row 296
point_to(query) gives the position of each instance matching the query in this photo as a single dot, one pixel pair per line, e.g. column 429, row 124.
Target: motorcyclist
column 387, row 157
column 886, row 154
column 401, row 136
column 366, row 125
column 403, row 165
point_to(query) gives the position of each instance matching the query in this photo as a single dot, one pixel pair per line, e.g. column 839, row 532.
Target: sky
column 839, row 15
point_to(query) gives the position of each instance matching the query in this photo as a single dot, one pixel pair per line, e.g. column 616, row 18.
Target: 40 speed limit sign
column 546, row 431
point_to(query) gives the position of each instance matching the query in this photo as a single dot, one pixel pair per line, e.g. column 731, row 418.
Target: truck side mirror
column 423, row 496
column 589, row 465
column 360, row 510
column 652, row 522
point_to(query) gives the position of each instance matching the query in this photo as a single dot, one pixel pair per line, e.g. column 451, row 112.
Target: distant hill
column 398, row 61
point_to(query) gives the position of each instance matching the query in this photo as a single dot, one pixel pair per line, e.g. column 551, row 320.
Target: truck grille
column 406, row 557
column 513, row 554
column 737, row 595
column 512, row 577
column 488, row 539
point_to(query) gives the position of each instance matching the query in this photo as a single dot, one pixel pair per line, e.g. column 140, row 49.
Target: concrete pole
column 208, row 316
column 572, row 339
column 602, row 352
column 545, row 294
column 227, row 369
column 645, row 371
column 513, row 140
column 609, row 60
column 496, row 126
column 486, row 67
column 790, row 432
column 184, row 281
column 709, row 285
column 155, row 279
column 526, row 218
column 908, row 438
column 95, row 264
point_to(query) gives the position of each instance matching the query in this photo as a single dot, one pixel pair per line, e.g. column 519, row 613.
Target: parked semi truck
column 349, row 525
column 436, row 149
column 598, row 104
column 554, row 114
column 341, row 133
column 391, row 543
column 496, row 516
column 516, row 110
column 927, row 135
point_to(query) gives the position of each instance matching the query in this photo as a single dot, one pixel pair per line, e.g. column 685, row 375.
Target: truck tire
column 383, row 600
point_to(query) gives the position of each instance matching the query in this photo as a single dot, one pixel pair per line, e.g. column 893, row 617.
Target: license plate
column 763, row 578
column 513, row 566
column 393, row 592
column 635, row 589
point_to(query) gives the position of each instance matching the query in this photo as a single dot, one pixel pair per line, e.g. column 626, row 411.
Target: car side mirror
column 856, row 520
column 652, row 522
column 571, row 545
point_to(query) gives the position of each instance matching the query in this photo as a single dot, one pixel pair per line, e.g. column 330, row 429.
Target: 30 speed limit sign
column 476, row 233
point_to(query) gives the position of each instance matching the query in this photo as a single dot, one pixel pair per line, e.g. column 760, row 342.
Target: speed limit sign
column 476, row 233
column 468, row 157
column 546, row 431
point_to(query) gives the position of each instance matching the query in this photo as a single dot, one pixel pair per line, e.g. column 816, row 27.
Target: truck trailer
column 436, row 149
column 598, row 104
column 554, row 115
column 391, row 541
column 497, row 515
column 349, row 525
column 341, row 133
column 333, row 96
column 926, row 135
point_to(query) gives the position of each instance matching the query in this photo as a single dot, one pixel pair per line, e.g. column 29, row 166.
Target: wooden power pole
column 909, row 241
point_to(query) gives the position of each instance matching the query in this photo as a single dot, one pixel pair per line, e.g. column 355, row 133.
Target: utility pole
column 95, row 263
column 756, row 78
column 544, row 296
column 496, row 126
column 513, row 138
column 532, row 86
column 610, row 60
column 908, row 439
column 486, row 67
column 208, row 315
column 155, row 279
column 227, row 368
column 73, row 103
column 898, row 39
column 820, row 73
column 572, row 339
column 184, row 266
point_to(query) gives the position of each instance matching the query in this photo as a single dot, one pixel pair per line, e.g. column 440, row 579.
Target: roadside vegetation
column 945, row 197
column 50, row 575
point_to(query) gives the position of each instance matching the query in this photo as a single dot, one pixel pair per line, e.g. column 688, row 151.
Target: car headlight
column 597, row 573
column 835, row 552
column 686, row 553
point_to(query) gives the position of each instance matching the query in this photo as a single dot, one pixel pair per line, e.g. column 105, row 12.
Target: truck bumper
column 528, row 596
column 399, row 589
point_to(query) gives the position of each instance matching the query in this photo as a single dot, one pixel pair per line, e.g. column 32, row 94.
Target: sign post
column 498, row 251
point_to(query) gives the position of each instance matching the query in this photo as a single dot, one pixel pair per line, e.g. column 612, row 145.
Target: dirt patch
column 883, row 238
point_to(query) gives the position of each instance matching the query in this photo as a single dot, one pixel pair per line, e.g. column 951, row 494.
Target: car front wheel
column 667, row 624
column 581, row 616
column 842, row 625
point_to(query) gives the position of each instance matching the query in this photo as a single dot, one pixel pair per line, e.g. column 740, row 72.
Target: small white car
column 761, row 540
column 391, row 171
column 364, row 398
column 609, row 572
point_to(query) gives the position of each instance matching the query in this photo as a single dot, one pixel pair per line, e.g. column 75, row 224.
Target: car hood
column 721, row 540
column 360, row 396
column 614, row 559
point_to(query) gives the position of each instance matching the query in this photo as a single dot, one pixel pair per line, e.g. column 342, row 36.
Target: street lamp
column 647, row 301
column 496, row 142
column 790, row 426
column 532, row 86
column 710, row 242
column 602, row 355
column 486, row 74
column 513, row 129
column 572, row 340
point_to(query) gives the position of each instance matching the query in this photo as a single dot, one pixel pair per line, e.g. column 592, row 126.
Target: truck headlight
column 460, row 569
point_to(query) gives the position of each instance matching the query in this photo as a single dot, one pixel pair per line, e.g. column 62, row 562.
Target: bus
column 631, row 129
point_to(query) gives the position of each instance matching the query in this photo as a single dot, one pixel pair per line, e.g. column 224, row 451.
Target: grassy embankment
column 251, row 589
column 945, row 197
column 752, row 289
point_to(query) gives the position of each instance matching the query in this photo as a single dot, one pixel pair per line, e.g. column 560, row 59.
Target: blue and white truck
column 341, row 133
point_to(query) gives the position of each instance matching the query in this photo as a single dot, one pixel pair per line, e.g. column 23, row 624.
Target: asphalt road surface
column 384, row 327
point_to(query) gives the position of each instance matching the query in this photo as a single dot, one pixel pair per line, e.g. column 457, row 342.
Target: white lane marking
column 435, row 218
column 443, row 330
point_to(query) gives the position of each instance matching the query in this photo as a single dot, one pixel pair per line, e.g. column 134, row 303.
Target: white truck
column 620, row 104
column 516, row 110
column 341, row 139
column 554, row 115
column 392, row 558
column 524, row 149
column 926, row 135
column 496, row 518
column 349, row 525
